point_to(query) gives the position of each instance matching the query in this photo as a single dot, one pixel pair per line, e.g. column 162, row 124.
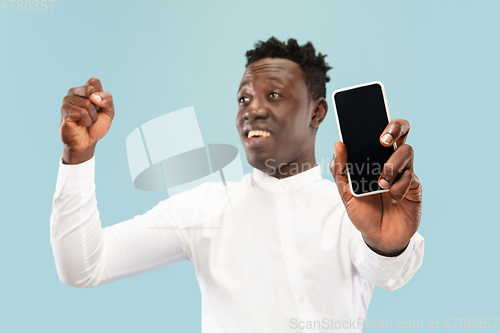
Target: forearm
column 75, row 228
column 87, row 255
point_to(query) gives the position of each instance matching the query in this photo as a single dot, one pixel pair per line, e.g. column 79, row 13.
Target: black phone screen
column 362, row 117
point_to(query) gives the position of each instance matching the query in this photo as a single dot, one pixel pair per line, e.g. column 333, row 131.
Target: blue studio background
column 439, row 61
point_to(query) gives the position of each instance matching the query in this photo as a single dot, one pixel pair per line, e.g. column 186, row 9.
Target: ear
column 319, row 110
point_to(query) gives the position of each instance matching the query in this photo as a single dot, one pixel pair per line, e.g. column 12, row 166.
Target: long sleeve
column 87, row 255
column 388, row 273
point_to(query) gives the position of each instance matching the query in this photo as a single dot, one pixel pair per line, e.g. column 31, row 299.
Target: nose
column 255, row 110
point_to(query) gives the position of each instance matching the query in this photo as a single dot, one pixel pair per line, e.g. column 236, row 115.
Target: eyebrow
column 271, row 78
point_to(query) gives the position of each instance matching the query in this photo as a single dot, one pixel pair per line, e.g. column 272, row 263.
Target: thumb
column 338, row 167
column 104, row 101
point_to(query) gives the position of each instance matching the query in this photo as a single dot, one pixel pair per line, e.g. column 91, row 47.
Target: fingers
column 84, row 91
column 338, row 167
column 83, row 103
column 401, row 159
column 415, row 191
column 77, row 105
column 90, row 97
column 396, row 131
column 397, row 172
column 76, row 114
column 399, row 189
column 104, row 101
column 407, row 187
column 96, row 83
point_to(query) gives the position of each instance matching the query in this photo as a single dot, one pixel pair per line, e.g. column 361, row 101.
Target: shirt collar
column 291, row 183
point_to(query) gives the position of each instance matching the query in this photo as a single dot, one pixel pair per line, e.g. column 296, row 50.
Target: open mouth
column 257, row 134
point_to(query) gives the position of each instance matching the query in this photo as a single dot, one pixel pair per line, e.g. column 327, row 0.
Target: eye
column 242, row 99
column 274, row 95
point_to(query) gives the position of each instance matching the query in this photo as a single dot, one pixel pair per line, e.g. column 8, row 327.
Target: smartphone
column 362, row 115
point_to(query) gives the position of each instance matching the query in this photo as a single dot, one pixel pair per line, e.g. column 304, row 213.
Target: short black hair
column 313, row 66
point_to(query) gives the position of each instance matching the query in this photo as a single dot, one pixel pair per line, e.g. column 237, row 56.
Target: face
column 276, row 120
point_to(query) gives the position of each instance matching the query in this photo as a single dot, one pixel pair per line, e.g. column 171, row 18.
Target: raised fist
column 86, row 115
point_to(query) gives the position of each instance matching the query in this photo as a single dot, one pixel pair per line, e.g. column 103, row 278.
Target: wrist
column 388, row 254
column 386, row 251
column 72, row 156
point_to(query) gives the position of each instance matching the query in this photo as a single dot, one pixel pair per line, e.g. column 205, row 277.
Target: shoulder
column 210, row 188
column 209, row 199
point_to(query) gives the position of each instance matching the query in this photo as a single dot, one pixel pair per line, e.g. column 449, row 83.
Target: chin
column 263, row 162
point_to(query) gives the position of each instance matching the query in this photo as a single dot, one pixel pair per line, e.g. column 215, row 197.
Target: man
column 297, row 253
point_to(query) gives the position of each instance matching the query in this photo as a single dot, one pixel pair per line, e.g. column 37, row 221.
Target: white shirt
column 270, row 255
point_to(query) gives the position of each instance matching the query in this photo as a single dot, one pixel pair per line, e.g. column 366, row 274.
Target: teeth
column 258, row 133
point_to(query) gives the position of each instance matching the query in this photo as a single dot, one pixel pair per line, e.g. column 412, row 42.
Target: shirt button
column 289, row 253
column 301, row 299
column 283, row 213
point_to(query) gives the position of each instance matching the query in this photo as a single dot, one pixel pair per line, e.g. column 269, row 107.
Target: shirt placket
column 284, row 209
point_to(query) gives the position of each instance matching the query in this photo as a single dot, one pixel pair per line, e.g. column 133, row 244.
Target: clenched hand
column 86, row 116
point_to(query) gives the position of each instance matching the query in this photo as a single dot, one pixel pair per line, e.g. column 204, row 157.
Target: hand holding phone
column 364, row 165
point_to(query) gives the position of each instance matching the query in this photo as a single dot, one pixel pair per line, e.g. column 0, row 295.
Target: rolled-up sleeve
column 87, row 255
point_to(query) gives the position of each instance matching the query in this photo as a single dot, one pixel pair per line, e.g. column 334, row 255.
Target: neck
column 301, row 164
